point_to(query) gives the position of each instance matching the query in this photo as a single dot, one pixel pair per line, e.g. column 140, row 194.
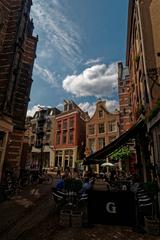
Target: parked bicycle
column 12, row 185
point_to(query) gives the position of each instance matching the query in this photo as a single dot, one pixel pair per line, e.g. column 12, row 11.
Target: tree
column 122, row 155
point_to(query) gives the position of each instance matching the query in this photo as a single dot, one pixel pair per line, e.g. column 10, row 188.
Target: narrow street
column 32, row 216
column 25, row 211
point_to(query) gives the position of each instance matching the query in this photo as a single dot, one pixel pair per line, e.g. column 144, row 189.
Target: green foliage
column 121, row 154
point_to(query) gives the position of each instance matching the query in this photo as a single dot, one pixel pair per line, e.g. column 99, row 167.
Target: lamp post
column 40, row 135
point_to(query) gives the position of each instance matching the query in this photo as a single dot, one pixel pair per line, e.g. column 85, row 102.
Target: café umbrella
column 107, row 164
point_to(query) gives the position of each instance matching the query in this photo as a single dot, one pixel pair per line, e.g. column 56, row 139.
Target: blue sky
column 80, row 42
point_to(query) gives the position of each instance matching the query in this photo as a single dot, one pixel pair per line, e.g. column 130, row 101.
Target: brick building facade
column 17, row 54
column 143, row 60
column 124, row 94
column 101, row 129
column 70, row 135
column 36, row 151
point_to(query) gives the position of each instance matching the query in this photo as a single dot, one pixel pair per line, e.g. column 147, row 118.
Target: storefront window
column 58, row 159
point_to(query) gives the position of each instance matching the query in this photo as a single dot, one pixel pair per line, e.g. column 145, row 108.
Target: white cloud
column 111, row 106
column 32, row 111
column 88, row 107
column 93, row 61
column 57, row 32
column 35, row 108
column 98, row 80
column 45, row 74
column 60, row 106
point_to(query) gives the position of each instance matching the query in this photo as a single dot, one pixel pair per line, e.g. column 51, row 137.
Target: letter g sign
column 110, row 207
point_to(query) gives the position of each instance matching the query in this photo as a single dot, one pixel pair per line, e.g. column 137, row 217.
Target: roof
column 108, row 149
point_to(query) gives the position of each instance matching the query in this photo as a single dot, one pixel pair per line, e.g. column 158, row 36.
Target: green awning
column 131, row 133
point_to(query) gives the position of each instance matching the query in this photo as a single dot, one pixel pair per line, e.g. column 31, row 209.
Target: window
column 91, row 145
column 112, row 126
column 46, row 163
column 121, row 120
column 101, row 142
column 69, row 157
column 91, row 129
column 34, row 128
column 58, row 159
column 70, row 136
column 32, row 138
column 58, row 138
column 48, row 126
column 47, row 137
column 71, row 122
column 129, row 101
column 39, row 143
column 64, row 137
column 71, row 162
column 65, row 124
column 2, row 135
column 59, row 126
column 101, row 127
column 101, row 113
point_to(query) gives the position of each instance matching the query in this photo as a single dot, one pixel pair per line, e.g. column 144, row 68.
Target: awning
column 108, row 149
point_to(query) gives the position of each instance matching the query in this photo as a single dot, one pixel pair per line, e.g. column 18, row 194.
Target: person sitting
column 60, row 184
column 87, row 185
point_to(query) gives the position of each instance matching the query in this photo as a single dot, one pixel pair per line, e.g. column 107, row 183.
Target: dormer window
column 65, row 107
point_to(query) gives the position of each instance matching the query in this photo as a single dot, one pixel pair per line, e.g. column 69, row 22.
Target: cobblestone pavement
column 25, row 211
column 32, row 216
